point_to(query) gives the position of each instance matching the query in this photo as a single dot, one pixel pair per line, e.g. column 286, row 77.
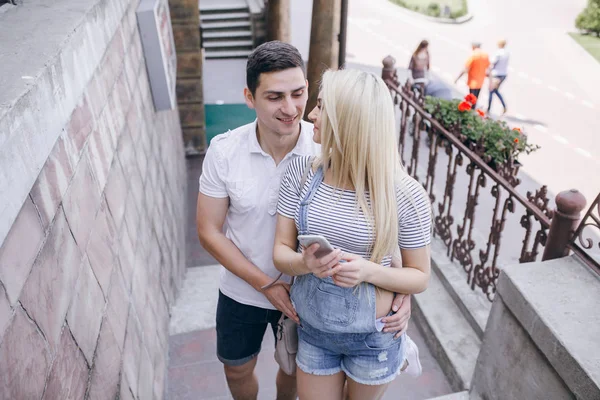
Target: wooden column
column 278, row 20
column 185, row 18
column 324, row 45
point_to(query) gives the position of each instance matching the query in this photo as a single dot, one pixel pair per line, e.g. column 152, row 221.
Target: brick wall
column 185, row 16
column 91, row 265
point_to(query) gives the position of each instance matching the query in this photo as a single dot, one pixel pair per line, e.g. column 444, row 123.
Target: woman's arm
column 288, row 261
column 412, row 278
column 285, row 258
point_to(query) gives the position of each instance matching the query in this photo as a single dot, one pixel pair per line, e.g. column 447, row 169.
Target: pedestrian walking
column 476, row 70
column 360, row 199
column 498, row 74
column 239, row 185
column 419, row 64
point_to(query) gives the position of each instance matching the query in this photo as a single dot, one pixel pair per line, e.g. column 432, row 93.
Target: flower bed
column 494, row 141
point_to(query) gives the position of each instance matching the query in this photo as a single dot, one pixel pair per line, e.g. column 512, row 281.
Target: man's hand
column 279, row 296
column 399, row 321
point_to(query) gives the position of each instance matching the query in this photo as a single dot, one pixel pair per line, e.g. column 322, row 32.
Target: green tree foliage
column 589, row 19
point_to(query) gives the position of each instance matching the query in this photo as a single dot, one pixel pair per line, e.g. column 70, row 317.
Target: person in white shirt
column 239, row 185
column 498, row 74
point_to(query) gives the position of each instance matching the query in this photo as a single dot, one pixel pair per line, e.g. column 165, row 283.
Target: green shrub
column 433, row 9
column 589, row 19
column 501, row 142
column 458, row 13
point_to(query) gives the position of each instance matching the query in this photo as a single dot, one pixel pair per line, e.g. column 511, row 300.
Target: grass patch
column 590, row 43
column 435, row 8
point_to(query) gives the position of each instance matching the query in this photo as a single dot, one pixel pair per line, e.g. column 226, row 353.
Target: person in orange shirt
column 476, row 70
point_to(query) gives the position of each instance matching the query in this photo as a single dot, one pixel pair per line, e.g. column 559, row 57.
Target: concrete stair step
column 226, row 35
column 464, row 395
column 227, row 44
column 225, row 25
column 474, row 304
column 227, row 54
column 225, row 16
column 449, row 336
column 224, row 7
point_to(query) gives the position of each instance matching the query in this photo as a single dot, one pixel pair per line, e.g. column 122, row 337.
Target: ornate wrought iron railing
column 428, row 149
column 582, row 243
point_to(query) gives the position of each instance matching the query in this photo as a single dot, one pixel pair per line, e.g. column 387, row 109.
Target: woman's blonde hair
column 358, row 144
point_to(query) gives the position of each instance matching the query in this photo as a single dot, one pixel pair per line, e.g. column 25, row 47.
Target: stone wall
column 90, row 264
column 541, row 339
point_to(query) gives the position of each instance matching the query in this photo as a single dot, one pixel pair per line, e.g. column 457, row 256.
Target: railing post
column 389, row 70
column 567, row 214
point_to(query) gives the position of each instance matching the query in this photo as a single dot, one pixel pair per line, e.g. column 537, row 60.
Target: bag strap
column 307, row 169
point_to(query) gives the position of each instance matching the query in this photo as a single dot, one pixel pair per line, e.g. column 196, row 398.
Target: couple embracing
column 339, row 181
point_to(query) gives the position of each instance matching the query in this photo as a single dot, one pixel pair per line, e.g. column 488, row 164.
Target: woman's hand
column 351, row 271
column 324, row 266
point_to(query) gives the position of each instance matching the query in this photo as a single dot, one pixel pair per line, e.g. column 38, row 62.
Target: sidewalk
column 194, row 371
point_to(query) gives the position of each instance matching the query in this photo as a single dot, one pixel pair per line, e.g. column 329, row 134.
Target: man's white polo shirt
column 235, row 166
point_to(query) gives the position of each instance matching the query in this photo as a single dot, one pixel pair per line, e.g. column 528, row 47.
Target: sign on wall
column 154, row 21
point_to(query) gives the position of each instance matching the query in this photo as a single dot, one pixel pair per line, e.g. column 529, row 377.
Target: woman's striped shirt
column 335, row 213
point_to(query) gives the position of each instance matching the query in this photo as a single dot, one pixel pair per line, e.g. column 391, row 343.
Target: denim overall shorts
column 338, row 329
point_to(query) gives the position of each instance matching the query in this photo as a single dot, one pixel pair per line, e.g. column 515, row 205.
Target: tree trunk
column 278, row 20
column 324, row 45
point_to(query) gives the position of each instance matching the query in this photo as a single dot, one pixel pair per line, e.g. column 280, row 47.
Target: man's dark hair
column 270, row 57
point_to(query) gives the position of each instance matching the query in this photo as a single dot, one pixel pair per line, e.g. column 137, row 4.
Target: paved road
column 552, row 90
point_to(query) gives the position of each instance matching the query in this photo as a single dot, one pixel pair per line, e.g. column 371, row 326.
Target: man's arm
column 464, row 71
column 210, row 217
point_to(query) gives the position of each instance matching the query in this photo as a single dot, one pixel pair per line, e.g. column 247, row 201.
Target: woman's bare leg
column 318, row 387
column 357, row 391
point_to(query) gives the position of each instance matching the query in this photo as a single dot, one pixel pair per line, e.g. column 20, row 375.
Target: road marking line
column 541, row 128
column 537, row 81
column 523, row 75
column 569, row 95
column 553, row 88
column 452, row 42
column 587, row 104
column 560, row 139
column 583, row 152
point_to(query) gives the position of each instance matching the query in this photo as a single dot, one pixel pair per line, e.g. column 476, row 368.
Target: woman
column 498, row 74
column 418, row 66
column 356, row 195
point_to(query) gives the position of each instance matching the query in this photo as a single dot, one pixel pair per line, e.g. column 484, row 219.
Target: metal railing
column 475, row 244
column 582, row 244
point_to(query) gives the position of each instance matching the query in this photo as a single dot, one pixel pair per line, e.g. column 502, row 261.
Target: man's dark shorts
column 240, row 330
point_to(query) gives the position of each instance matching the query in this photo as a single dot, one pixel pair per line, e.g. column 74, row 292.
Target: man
column 239, row 185
column 498, row 74
column 475, row 68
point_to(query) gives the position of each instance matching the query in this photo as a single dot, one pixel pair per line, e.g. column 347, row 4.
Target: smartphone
column 324, row 246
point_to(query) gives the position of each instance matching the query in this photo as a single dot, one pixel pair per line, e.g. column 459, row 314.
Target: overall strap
column 317, row 179
column 305, row 202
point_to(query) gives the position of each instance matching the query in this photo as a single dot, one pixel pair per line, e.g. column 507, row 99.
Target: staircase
column 229, row 28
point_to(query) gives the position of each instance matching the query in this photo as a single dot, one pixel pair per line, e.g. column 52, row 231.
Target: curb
column 460, row 20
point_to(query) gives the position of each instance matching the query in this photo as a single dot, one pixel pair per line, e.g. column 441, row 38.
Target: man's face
column 280, row 100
